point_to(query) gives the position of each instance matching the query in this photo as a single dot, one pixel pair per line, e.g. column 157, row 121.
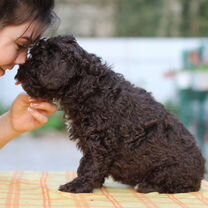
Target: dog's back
column 154, row 150
column 147, row 145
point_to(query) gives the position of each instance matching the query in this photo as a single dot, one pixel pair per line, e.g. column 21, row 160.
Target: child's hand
column 28, row 114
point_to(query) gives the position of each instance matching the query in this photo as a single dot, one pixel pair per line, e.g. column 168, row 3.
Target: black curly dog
column 121, row 130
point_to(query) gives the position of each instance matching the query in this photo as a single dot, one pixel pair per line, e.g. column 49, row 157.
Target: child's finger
column 38, row 116
column 49, row 108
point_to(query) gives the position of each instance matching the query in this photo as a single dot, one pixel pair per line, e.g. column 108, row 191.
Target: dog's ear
column 68, row 47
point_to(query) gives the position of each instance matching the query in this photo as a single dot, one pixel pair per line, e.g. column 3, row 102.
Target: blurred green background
column 134, row 18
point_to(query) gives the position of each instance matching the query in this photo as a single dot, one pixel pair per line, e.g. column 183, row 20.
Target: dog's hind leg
column 171, row 179
column 146, row 188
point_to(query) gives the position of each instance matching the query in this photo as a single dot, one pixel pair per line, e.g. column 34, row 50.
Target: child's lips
column 2, row 71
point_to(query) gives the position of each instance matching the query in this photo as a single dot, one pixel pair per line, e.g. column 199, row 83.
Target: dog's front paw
column 76, row 186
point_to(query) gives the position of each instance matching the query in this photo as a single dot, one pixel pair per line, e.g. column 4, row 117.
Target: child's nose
column 21, row 58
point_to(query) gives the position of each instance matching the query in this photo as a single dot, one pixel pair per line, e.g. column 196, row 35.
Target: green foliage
column 166, row 18
column 55, row 123
column 202, row 68
column 195, row 17
column 173, row 108
column 137, row 17
column 3, row 109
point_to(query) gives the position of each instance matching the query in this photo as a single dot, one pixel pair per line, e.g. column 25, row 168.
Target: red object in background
column 195, row 58
column 170, row 74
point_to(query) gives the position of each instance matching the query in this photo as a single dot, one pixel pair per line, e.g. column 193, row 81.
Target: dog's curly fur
column 121, row 130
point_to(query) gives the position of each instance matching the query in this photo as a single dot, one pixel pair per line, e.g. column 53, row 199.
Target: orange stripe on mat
column 45, row 193
column 111, row 198
column 177, row 201
column 17, row 189
column 199, row 196
column 69, row 177
column 147, row 201
column 80, row 197
column 13, row 195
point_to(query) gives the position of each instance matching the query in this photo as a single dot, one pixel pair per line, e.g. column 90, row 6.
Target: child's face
column 14, row 44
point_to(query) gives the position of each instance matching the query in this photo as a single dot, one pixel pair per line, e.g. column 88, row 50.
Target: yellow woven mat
column 39, row 190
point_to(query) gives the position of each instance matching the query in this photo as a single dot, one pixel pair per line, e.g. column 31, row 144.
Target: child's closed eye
column 22, row 47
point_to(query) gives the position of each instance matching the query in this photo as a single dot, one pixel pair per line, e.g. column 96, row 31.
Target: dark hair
column 16, row 12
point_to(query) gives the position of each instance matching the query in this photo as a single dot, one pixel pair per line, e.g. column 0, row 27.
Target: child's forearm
column 6, row 132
